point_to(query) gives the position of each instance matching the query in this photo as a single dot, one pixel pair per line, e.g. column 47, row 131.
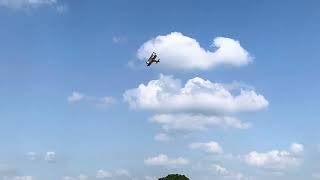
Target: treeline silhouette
column 174, row 177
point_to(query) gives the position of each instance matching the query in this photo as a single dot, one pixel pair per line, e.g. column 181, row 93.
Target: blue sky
column 76, row 103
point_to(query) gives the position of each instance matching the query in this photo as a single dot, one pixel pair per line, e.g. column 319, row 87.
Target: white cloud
column 222, row 171
column 164, row 160
column 275, row 159
column 102, row 174
column 61, row 9
column 22, row 178
column 210, row 147
column 75, row 97
column 195, row 106
column 50, row 156
column 21, row 4
column 219, row 169
column 122, row 172
column 106, row 101
column 198, row 95
column 196, row 122
column 118, row 39
column 162, row 137
column 297, row 148
column 178, row 51
column 82, row 177
column 32, row 156
column 68, row 178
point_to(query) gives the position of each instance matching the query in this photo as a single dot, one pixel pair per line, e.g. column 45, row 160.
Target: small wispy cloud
column 26, row 5
column 163, row 137
column 50, row 157
column 223, row 172
column 80, row 177
column 32, row 156
column 22, row 178
column 122, row 172
column 164, row 160
column 119, row 39
column 77, row 97
column 61, row 9
column 104, row 174
column 22, row 4
column 209, row 147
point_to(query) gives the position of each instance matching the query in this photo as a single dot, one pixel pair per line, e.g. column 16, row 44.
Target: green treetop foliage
column 175, row 177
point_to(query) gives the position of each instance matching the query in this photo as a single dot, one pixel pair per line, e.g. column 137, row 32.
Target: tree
column 175, row 177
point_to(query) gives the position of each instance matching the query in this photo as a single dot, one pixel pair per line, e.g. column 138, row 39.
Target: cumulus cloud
column 198, row 95
column 272, row 159
column 164, row 160
column 21, row 4
column 210, row 147
column 77, row 97
column 275, row 159
column 195, row 106
column 50, row 156
column 178, row 51
column 196, row 122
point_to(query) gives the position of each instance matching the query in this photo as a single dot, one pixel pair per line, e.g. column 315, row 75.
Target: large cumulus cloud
column 194, row 106
column 198, row 95
column 178, row 51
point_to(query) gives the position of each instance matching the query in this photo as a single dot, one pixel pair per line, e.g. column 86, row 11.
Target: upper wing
column 150, row 58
